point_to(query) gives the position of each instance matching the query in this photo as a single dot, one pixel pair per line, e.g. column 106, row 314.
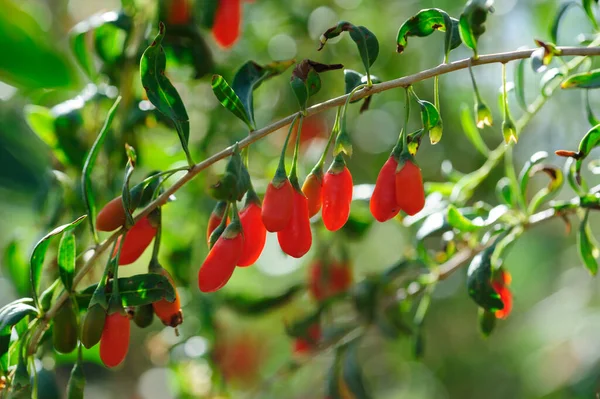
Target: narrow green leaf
column 588, row 249
column 526, row 171
column 503, row 245
column 333, row 377
column 161, row 92
column 551, row 75
column 504, row 191
column 42, row 122
column 520, row 84
column 352, row 79
column 545, row 194
column 589, row 112
column 39, row 253
column 88, row 167
column 67, row 252
column 14, row 312
column 352, row 373
column 471, row 131
column 460, row 222
column 424, row 23
column 246, row 305
column 206, row 11
column 562, row 9
column 589, row 141
column 585, row 80
column 472, row 20
column 250, row 76
column 125, row 193
column 487, row 322
column 366, row 41
column 587, row 6
column 230, row 100
column 479, row 284
column 137, row 290
column 432, row 122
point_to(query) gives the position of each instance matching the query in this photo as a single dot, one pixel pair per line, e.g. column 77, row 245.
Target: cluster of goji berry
column 111, row 326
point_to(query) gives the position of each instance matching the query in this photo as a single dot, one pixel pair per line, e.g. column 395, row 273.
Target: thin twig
column 275, row 126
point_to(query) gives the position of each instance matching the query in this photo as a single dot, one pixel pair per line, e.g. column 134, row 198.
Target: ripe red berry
column 313, row 190
column 111, row 216
column 240, row 357
column 179, row 12
column 337, row 197
column 327, row 280
column 277, row 206
column 383, row 203
column 296, row 239
column 255, row 234
column 137, row 239
column 215, row 219
column 304, row 345
column 228, row 18
column 114, row 342
column 500, row 285
column 169, row 313
column 410, row 194
column 220, row 263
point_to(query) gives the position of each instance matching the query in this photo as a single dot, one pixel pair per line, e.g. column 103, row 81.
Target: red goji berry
column 179, row 12
column 383, row 203
column 228, row 18
column 111, row 216
column 255, row 234
column 278, row 205
column 114, row 342
column 240, row 357
column 410, row 194
column 500, row 285
column 215, row 219
column 313, row 190
column 137, row 239
column 169, row 313
column 308, row 344
column 220, row 263
column 337, row 196
column 327, row 280
column 296, row 239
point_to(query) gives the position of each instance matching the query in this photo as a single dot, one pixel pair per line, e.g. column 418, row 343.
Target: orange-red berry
column 410, row 194
column 277, row 206
column 179, row 12
column 114, row 342
column 215, row 219
column 500, row 285
column 337, row 197
column 255, row 234
column 220, row 263
column 111, row 216
column 313, row 190
column 169, row 313
column 327, row 280
column 137, row 239
column 296, row 239
column 383, row 203
column 227, row 24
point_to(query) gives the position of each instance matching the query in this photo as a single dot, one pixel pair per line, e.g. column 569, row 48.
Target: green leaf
column 503, row 245
column 587, row 6
column 30, row 58
column 161, row 92
column 39, row 253
column 585, row 80
column 67, row 252
column 246, row 305
column 88, row 167
column 137, row 290
column 352, row 374
column 546, row 193
column 526, row 171
column 538, row 63
column 352, row 79
column 589, row 112
column 487, row 322
column 15, row 266
column 588, row 248
column 432, row 122
column 471, row 131
column 424, row 23
column 520, row 84
column 250, row 76
column 206, row 10
column 42, row 121
column 125, row 193
column 479, row 284
column 505, row 193
column 472, row 20
column 14, row 312
column 589, row 141
column 550, row 76
column 366, row 41
column 305, row 80
column 562, row 9
column 460, row 222
column 230, row 100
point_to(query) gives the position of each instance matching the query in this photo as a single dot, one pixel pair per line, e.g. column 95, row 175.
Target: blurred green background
column 548, row 348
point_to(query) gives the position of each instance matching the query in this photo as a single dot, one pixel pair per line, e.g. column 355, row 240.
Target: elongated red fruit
column 501, row 287
column 383, row 203
column 137, row 239
column 337, row 197
column 308, row 344
column 296, row 239
column 277, row 206
column 169, row 313
column 216, row 216
column 326, row 280
column 111, row 216
column 255, row 234
column 220, row 263
column 179, row 12
column 228, row 18
column 410, row 194
column 114, row 342
column 313, row 190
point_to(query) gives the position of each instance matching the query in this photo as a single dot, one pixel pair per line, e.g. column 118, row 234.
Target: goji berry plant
column 148, row 215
